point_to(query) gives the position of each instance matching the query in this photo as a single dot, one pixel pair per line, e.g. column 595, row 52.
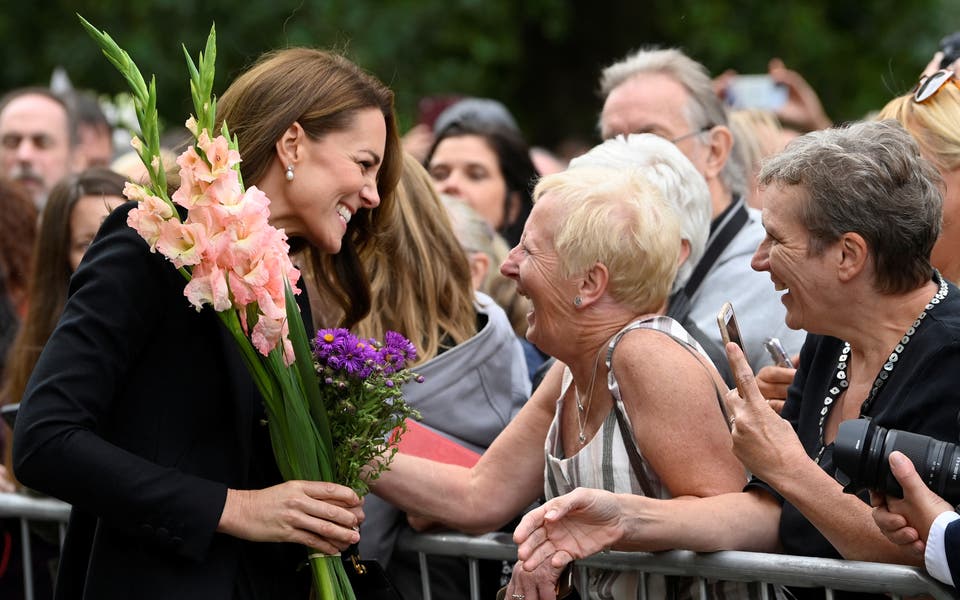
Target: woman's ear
column 852, row 256
column 684, row 252
column 288, row 146
column 511, row 208
column 593, row 284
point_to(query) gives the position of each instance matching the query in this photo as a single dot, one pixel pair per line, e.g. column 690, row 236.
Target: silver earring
column 289, row 173
column 577, row 301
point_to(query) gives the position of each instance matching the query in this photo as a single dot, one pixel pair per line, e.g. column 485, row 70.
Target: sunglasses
column 930, row 84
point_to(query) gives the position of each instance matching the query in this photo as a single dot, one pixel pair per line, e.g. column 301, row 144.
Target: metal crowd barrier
column 778, row 569
column 28, row 509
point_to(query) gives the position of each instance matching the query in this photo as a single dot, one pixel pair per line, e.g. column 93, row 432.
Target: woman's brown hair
column 323, row 92
column 419, row 274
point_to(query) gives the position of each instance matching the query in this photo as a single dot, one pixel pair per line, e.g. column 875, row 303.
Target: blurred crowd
column 565, row 307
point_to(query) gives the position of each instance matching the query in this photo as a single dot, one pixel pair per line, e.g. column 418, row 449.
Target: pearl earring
column 289, row 173
column 577, row 301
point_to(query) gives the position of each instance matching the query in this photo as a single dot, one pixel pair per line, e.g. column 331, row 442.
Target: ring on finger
column 518, row 596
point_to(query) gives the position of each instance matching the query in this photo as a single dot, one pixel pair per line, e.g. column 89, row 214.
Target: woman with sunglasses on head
column 931, row 113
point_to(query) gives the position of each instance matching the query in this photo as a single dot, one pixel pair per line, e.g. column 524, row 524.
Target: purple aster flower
column 330, row 342
column 398, row 345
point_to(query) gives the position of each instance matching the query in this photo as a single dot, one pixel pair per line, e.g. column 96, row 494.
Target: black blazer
column 140, row 413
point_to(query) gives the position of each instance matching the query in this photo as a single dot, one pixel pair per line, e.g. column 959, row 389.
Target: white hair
column 678, row 181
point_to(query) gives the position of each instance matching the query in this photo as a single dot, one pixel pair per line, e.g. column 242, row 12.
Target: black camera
column 950, row 46
column 862, row 454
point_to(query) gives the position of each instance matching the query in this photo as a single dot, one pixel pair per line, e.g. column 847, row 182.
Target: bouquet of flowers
column 360, row 385
column 216, row 232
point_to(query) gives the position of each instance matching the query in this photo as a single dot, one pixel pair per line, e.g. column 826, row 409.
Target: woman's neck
column 877, row 325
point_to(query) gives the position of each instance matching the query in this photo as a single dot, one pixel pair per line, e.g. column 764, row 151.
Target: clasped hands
column 587, row 521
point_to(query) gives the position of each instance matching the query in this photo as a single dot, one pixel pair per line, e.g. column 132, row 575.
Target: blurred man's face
column 35, row 144
column 653, row 103
column 95, row 146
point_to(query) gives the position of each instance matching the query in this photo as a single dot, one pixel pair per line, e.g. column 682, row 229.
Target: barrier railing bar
column 27, row 562
column 728, row 565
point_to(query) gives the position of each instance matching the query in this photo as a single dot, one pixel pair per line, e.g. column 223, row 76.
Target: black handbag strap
column 731, row 225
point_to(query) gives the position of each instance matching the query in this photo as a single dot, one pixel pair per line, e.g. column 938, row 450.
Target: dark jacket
column 141, row 414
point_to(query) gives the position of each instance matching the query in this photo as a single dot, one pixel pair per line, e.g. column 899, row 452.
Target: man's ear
column 289, row 144
column 593, row 284
column 720, row 146
column 852, row 256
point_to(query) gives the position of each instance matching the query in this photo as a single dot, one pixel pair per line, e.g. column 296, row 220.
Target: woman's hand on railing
column 569, row 527
column 538, row 584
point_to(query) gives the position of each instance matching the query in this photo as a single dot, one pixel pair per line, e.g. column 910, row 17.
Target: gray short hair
column 704, row 108
column 867, row 178
column 681, row 185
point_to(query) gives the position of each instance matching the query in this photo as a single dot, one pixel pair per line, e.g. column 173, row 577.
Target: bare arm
column 586, row 521
column 677, row 420
column 508, row 477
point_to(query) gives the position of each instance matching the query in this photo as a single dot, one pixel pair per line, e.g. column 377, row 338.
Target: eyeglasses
column 929, row 85
column 703, row 129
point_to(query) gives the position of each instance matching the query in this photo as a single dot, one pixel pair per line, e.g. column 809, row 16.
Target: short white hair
column 678, row 181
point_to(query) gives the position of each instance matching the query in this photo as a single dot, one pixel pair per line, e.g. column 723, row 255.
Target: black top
column 921, row 396
column 141, row 414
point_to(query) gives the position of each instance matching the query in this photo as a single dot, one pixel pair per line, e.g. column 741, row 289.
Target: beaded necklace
column 840, row 382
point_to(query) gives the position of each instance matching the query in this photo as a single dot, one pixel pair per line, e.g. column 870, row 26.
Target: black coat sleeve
column 90, row 429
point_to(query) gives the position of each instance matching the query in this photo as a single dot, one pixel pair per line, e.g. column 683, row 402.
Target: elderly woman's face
column 535, row 267
column 785, row 254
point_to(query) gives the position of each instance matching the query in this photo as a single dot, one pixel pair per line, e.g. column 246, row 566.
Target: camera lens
column 862, row 453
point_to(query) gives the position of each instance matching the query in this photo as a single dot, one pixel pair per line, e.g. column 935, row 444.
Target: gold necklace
column 583, row 414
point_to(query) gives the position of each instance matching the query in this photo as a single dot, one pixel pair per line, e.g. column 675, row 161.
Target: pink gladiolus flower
column 150, row 214
column 208, row 285
column 219, row 155
column 182, row 243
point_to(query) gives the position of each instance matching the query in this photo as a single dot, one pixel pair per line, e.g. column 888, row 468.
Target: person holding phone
column 834, row 206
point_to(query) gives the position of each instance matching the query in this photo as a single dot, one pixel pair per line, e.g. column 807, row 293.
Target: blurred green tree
column 540, row 57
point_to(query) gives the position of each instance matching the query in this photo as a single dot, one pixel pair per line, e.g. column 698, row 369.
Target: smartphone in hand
column 777, row 353
column 730, row 332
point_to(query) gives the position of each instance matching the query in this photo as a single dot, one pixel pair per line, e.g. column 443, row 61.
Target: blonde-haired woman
column 597, row 259
column 475, row 377
column 931, row 114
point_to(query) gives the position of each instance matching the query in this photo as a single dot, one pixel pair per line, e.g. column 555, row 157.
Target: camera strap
column 730, row 225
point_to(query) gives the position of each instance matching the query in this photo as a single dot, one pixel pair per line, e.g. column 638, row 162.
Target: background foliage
column 541, row 57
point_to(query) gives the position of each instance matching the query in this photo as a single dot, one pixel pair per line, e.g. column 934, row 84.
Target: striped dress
column 604, row 463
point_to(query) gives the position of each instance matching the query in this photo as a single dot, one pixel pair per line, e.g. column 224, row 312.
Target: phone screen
column 755, row 91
